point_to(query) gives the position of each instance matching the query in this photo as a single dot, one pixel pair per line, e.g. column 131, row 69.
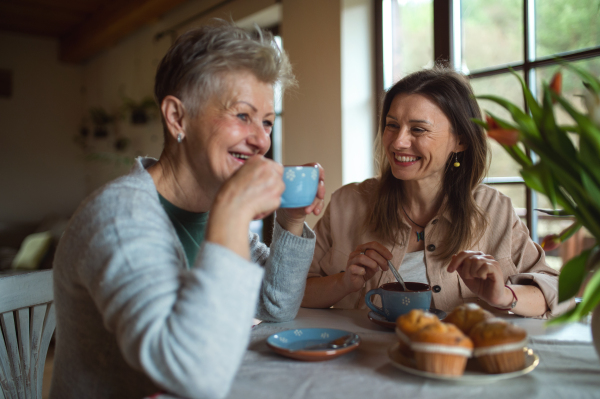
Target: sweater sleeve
column 286, row 264
column 186, row 329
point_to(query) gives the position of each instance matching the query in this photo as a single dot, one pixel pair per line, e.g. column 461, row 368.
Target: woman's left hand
column 292, row 219
column 482, row 275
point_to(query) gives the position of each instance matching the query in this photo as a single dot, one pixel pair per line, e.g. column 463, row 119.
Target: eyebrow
column 412, row 120
column 252, row 106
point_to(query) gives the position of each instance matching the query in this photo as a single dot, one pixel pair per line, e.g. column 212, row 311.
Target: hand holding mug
column 304, row 194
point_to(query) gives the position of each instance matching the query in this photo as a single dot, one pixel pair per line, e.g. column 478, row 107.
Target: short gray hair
column 193, row 68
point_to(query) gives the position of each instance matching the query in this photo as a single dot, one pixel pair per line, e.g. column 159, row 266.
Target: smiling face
column 229, row 130
column 418, row 139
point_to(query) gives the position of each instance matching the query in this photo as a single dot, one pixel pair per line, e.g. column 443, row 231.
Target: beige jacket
column 507, row 239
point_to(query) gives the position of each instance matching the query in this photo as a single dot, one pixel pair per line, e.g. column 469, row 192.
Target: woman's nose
column 403, row 139
column 259, row 138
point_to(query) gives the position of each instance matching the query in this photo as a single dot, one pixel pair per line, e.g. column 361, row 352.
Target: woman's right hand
column 363, row 263
column 252, row 192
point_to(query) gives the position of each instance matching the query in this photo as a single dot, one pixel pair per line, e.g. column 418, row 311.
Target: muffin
column 441, row 348
column 499, row 346
column 466, row 316
column 409, row 323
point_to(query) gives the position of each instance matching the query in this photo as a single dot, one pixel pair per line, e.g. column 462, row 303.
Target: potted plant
column 140, row 112
column 567, row 175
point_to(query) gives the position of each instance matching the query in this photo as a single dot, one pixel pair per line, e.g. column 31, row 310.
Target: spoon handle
column 397, row 275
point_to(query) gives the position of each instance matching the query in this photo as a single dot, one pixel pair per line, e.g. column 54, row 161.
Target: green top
column 190, row 228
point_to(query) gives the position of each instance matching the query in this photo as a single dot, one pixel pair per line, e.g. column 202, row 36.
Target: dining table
column 568, row 367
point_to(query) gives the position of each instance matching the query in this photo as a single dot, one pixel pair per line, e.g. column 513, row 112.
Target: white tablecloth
column 569, row 366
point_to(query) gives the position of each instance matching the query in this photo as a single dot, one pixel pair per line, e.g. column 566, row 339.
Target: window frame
column 446, row 26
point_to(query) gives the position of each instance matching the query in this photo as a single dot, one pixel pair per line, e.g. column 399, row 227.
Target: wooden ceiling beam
column 112, row 22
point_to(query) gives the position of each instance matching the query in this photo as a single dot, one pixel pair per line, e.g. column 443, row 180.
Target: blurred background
column 76, row 87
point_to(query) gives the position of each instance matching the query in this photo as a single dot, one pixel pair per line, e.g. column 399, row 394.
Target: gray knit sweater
column 132, row 320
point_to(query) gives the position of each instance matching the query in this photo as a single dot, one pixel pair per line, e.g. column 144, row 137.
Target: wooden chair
column 28, row 320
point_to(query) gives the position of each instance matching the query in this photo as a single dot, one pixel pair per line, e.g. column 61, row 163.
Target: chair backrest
column 27, row 321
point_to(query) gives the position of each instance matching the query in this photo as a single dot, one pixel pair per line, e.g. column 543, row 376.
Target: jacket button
column 431, row 247
column 436, row 288
column 434, row 221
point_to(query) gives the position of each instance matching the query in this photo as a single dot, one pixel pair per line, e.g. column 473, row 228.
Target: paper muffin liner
column 443, row 349
column 494, row 349
column 403, row 337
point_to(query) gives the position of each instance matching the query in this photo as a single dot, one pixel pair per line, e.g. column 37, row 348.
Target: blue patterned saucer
column 292, row 343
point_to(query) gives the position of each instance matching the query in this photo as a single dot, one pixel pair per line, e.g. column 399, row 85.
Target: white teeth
column 406, row 159
column 240, row 156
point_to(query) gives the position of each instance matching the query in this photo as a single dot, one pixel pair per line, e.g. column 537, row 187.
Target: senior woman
column 154, row 292
column 429, row 214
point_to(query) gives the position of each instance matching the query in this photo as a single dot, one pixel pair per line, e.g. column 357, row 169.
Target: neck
column 422, row 201
column 176, row 182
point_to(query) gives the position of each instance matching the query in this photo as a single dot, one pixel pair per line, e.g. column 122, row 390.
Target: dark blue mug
column 396, row 302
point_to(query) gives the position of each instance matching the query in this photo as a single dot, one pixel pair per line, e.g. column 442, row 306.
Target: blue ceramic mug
column 301, row 183
column 396, row 302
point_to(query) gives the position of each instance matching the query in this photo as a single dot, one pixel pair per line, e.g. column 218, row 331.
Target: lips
column 239, row 155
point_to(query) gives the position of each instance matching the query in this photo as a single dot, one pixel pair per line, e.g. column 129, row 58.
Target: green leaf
column 532, row 178
column 587, row 127
column 571, row 316
column 539, row 178
column 591, row 294
column 554, row 212
column 518, row 155
column 534, row 107
column 526, row 124
column 480, row 123
column 583, row 74
column 571, row 276
column 552, row 134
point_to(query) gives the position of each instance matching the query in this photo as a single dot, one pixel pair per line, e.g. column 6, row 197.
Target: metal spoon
column 398, row 276
column 334, row 344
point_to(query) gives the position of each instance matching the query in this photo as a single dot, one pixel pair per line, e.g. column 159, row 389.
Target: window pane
column 492, row 33
column 571, row 85
column 566, row 25
column 579, row 242
column 412, row 36
column 508, row 87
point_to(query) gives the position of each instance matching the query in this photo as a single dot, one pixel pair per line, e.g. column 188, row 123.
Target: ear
column 460, row 146
column 173, row 113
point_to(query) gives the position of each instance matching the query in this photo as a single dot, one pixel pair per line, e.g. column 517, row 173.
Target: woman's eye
column 244, row 117
column 391, row 125
column 418, row 129
column 268, row 126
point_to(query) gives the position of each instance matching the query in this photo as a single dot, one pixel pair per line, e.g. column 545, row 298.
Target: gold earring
column 456, row 163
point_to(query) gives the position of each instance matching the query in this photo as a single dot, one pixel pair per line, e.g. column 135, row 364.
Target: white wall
column 41, row 169
column 44, row 172
column 312, row 130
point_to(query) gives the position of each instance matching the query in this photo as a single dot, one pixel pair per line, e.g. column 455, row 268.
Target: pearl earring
column 179, row 138
column 456, row 163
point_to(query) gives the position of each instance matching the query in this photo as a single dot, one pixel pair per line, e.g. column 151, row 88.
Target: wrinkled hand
column 482, row 275
column 290, row 218
column 363, row 263
column 254, row 190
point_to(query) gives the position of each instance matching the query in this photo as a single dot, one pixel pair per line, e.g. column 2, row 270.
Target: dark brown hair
column 452, row 93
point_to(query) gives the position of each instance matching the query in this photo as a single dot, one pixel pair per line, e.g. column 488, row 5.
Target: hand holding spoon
column 398, row 276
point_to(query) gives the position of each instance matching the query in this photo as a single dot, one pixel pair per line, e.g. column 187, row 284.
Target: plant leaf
column 587, row 127
column 554, row 212
column 552, row 134
column 539, row 178
column 526, row 123
column 583, row 74
column 571, row 316
column 591, row 294
column 571, row 276
column 534, row 107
